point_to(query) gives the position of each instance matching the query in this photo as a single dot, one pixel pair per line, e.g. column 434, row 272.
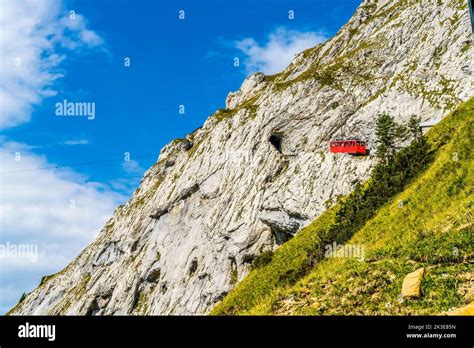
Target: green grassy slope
column 433, row 228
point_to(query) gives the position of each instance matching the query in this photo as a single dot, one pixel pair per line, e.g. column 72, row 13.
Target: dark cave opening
column 277, row 141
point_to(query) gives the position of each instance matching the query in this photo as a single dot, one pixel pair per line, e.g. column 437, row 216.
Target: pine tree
column 384, row 132
column 388, row 133
column 414, row 127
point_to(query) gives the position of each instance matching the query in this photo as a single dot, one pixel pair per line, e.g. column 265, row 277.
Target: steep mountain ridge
column 219, row 197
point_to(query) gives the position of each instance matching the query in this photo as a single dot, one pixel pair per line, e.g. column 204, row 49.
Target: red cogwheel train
column 351, row 146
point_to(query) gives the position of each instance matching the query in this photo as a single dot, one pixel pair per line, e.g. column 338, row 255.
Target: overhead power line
column 73, row 165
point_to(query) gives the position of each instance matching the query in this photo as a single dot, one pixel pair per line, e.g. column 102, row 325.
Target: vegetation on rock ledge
column 428, row 224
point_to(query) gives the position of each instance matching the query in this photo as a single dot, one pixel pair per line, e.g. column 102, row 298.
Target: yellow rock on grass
column 467, row 310
column 411, row 286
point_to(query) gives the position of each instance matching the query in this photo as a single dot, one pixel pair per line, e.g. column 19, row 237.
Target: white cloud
column 279, row 50
column 77, row 34
column 132, row 167
column 35, row 36
column 57, row 210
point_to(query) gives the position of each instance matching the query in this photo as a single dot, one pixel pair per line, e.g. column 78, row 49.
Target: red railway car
column 350, row 146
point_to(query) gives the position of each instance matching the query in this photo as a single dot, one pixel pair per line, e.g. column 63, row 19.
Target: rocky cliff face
column 258, row 171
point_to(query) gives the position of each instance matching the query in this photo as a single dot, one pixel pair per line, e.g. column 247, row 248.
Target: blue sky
column 173, row 62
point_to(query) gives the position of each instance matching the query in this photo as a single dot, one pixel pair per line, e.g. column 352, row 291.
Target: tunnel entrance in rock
column 277, row 141
column 93, row 308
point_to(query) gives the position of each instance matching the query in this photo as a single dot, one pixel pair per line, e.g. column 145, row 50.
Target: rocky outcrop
column 466, row 310
column 225, row 193
column 411, row 286
column 250, row 87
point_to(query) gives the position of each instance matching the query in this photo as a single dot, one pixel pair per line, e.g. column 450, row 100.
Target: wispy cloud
column 278, row 51
column 77, row 33
column 58, row 210
column 132, row 167
column 35, row 37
